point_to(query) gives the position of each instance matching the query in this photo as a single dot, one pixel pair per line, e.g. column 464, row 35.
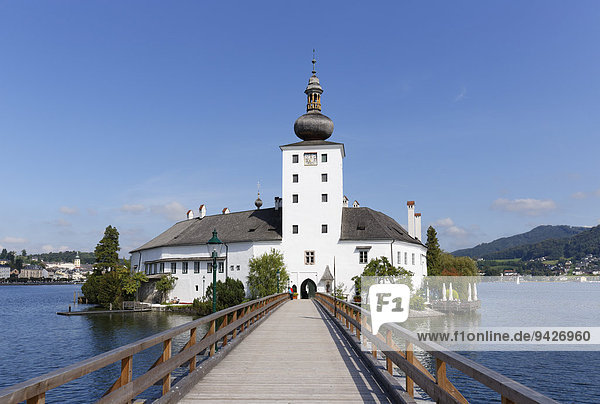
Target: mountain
column 577, row 246
column 536, row 235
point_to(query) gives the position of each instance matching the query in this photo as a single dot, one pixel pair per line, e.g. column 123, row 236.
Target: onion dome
column 258, row 202
column 313, row 125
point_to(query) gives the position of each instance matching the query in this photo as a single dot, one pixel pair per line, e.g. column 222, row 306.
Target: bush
column 229, row 293
column 417, row 303
column 202, row 308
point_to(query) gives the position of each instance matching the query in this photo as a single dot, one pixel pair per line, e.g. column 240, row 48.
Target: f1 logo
column 389, row 303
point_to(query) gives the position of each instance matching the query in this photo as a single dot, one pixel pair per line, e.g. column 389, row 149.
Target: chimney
column 277, row 203
column 411, row 218
column 345, row 201
column 356, row 204
column 418, row 226
column 225, row 211
column 202, row 211
column 190, row 214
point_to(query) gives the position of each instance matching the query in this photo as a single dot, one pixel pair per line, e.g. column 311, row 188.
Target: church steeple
column 313, row 125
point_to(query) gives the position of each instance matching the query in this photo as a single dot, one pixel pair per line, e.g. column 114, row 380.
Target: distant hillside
column 65, row 256
column 586, row 242
column 533, row 236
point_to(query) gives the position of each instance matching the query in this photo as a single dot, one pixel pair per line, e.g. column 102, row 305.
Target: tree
column 229, row 293
column 381, row 267
column 262, row 278
column 23, row 253
column 433, row 252
column 457, row 266
column 165, row 285
column 106, row 252
column 4, row 254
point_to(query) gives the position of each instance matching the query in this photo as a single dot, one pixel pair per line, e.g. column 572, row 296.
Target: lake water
column 566, row 376
column 35, row 340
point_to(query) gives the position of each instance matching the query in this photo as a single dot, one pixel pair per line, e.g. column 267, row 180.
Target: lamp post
column 277, row 280
column 214, row 246
column 203, row 287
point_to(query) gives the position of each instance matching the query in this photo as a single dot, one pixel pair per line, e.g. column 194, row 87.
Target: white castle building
column 311, row 224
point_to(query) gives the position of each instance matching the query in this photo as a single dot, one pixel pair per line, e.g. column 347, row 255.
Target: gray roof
column 369, row 224
column 265, row 225
column 251, row 225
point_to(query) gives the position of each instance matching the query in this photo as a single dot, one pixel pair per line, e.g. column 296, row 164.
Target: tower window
column 323, row 197
column 294, row 229
column 294, row 177
column 173, row 267
column 323, row 228
column 184, row 267
column 363, row 256
column 295, row 198
column 324, row 158
column 237, row 267
column 323, row 177
column 309, row 258
column 196, row 267
column 294, row 158
column 221, row 267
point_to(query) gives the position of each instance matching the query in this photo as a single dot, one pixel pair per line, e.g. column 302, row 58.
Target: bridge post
column 39, row 399
column 211, row 331
column 388, row 362
column 357, row 317
column 233, row 321
column 192, row 343
column 410, row 355
column 166, row 385
column 223, row 325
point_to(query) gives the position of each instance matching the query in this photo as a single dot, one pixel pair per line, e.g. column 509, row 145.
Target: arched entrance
column 307, row 289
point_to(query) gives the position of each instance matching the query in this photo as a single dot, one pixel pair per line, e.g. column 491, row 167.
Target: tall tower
column 77, row 261
column 312, row 191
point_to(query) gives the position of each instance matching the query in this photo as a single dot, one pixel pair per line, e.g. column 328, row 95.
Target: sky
column 130, row 113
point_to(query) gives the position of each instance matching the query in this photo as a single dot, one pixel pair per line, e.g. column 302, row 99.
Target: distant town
column 588, row 265
column 51, row 267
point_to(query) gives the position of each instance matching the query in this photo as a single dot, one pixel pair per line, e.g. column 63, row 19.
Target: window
column 237, row 267
column 221, row 267
column 294, row 229
column 413, row 258
column 294, row 158
column 295, row 198
column 309, row 258
column 323, row 228
column 405, row 258
column 231, row 268
column 162, row 267
column 184, row 267
column 323, row 177
column 324, row 158
column 294, row 177
column 173, row 267
column 154, row 268
column 196, row 288
column 209, row 267
column 196, row 267
column 323, row 197
column 363, row 256
column 399, row 258
column 146, row 269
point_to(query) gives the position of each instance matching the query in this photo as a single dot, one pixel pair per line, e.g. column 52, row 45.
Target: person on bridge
column 291, row 292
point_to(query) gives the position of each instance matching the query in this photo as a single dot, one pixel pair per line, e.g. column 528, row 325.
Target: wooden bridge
column 274, row 349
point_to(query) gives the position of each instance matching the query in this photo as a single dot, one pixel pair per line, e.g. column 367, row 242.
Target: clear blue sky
column 487, row 114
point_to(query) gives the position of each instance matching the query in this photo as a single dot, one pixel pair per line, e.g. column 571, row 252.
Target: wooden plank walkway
column 296, row 355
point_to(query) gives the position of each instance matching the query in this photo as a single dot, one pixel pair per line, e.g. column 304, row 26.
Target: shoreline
column 39, row 283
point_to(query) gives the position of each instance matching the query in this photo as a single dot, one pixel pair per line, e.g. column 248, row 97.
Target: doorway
column 307, row 289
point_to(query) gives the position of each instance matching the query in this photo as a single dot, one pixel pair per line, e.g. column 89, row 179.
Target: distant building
column 77, row 261
column 311, row 225
column 4, row 272
column 33, row 272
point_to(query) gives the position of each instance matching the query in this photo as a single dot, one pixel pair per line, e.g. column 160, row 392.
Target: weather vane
column 314, row 61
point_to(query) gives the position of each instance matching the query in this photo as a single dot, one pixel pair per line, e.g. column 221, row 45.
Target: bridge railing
column 223, row 325
column 356, row 321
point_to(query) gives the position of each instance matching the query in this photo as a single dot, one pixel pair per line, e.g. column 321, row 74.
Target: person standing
column 291, row 292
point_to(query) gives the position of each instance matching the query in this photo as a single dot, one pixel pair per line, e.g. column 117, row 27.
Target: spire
column 258, row 202
column 313, row 125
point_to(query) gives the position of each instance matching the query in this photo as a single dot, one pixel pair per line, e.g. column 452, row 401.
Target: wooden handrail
column 34, row 390
column 440, row 389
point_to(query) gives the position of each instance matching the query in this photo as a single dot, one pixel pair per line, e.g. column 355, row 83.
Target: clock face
column 310, row 159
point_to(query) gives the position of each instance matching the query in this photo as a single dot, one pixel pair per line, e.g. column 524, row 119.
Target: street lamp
column 214, row 246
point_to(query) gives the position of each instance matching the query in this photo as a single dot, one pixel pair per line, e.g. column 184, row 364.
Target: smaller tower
column 77, row 261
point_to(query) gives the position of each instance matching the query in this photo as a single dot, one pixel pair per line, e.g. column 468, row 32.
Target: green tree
column 433, row 252
column 457, row 266
column 262, row 278
column 165, row 285
column 229, row 293
column 381, row 267
column 106, row 252
column 23, row 253
column 4, row 254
